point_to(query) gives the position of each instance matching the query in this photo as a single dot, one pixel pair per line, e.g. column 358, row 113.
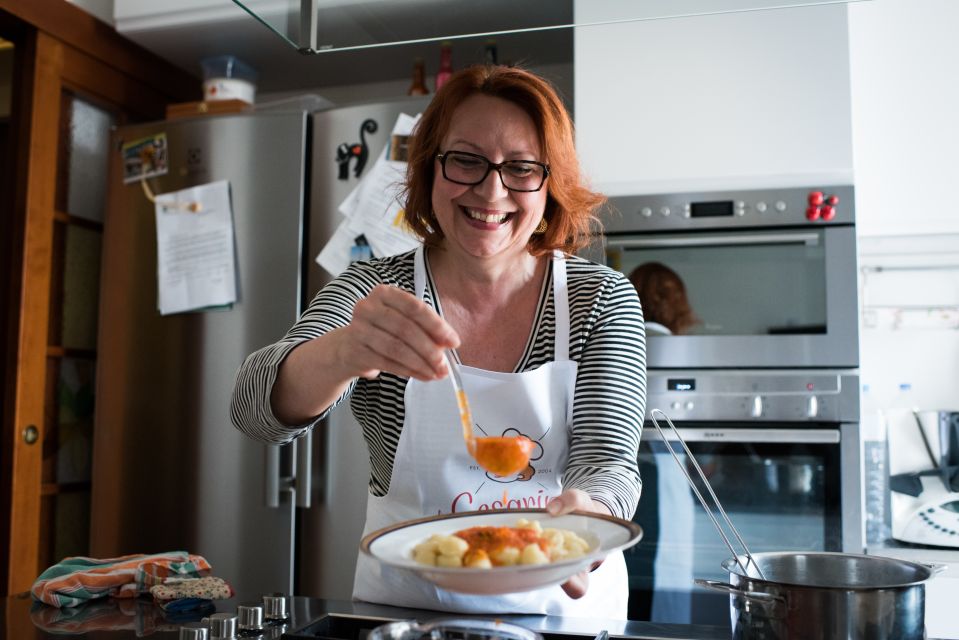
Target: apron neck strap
column 560, row 297
column 561, row 306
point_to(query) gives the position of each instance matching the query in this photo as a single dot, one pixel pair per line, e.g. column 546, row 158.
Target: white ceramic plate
column 393, row 546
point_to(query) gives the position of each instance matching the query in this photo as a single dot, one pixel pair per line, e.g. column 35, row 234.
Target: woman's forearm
column 310, row 379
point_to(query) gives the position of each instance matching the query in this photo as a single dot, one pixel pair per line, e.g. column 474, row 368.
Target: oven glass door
column 757, row 298
column 780, row 486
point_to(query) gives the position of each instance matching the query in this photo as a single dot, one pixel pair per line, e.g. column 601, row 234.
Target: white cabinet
column 750, row 99
column 905, row 106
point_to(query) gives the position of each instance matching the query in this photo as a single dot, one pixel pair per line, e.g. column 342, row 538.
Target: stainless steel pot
column 826, row 596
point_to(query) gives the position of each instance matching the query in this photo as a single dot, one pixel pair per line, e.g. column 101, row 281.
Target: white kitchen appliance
column 924, row 486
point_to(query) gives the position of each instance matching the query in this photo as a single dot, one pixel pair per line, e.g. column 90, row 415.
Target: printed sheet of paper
column 373, row 209
column 196, row 264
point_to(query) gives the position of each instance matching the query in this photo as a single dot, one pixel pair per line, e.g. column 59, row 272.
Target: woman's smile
column 486, row 218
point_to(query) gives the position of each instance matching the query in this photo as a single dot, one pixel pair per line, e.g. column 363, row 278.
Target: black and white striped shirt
column 606, row 339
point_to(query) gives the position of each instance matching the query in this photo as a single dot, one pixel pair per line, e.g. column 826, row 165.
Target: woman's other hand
column 566, row 502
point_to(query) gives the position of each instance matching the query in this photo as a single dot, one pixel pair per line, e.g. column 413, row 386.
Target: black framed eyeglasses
column 467, row 168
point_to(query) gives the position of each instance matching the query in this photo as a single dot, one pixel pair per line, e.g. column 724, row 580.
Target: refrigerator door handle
column 302, row 478
column 271, row 476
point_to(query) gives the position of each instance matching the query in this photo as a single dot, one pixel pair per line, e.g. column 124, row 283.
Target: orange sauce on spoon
column 500, row 455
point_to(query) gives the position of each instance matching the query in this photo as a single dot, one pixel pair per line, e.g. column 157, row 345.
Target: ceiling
column 281, row 67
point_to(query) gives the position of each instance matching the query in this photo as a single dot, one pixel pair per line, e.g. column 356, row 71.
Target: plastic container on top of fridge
column 228, row 78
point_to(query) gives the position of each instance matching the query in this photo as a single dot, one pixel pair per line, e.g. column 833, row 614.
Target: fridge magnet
column 347, row 152
column 145, row 158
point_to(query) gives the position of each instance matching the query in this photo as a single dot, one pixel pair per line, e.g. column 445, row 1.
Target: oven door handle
column 808, row 239
column 775, row 436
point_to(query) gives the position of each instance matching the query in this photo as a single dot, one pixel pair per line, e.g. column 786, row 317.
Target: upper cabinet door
column 750, row 99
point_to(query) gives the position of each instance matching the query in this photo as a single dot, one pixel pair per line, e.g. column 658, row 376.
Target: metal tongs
column 712, row 494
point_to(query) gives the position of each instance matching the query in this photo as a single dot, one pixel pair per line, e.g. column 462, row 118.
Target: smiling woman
column 569, row 204
column 551, row 346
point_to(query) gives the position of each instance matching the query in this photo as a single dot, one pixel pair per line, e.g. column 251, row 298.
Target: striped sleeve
column 250, row 406
column 610, row 397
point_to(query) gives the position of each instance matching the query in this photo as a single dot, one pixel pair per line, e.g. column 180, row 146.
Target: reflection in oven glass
column 746, row 290
column 780, row 497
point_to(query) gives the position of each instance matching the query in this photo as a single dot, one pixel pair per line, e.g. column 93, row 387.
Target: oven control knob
column 816, row 198
column 193, row 633
column 646, row 212
column 688, row 406
column 761, row 207
column 828, row 212
column 274, row 607
column 664, row 211
column 813, row 213
column 675, row 406
column 780, row 206
column 756, row 407
column 251, row 618
column 812, row 407
column 832, row 200
column 222, row 626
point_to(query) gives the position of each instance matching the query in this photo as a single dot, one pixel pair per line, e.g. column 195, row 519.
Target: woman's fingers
column 395, row 332
column 571, row 500
column 577, row 585
column 566, row 502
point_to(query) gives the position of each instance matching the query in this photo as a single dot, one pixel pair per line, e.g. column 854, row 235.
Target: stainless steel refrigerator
column 170, row 470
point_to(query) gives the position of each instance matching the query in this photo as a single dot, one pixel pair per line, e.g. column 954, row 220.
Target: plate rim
column 635, row 530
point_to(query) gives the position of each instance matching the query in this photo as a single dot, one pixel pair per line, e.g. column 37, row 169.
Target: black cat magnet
column 357, row 152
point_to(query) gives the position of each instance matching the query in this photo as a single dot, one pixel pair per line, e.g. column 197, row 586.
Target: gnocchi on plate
column 487, row 547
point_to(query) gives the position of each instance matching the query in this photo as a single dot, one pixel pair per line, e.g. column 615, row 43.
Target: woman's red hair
column 570, row 205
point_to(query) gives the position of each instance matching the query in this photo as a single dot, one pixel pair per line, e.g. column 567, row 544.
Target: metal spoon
column 501, row 455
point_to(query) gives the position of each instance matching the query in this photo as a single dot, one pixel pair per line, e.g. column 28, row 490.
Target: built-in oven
column 769, row 275
column 781, row 450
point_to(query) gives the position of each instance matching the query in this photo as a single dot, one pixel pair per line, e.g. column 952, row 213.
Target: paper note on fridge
column 373, row 211
column 196, row 264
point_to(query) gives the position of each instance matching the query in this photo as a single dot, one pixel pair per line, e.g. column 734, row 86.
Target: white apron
column 433, row 473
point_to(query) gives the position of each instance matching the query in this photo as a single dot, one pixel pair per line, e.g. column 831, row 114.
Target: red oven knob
column 816, row 198
column 828, row 212
column 812, row 213
column 833, row 200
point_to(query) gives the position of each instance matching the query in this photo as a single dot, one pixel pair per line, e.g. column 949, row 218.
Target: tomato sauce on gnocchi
column 488, row 547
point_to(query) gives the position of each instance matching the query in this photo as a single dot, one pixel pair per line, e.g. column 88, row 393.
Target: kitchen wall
column 904, row 104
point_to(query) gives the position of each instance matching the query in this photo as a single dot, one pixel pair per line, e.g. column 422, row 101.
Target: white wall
column 904, row 57
column 905, row 105
column 737, row 100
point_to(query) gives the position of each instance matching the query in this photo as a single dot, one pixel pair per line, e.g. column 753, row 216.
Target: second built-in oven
column 781, row 451
column 769, row 275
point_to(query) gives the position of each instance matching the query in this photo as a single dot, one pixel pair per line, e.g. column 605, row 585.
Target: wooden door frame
column 39, row 119
column 63, row 48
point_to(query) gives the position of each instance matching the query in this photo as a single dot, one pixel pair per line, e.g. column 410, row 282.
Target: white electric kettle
column 924, row 485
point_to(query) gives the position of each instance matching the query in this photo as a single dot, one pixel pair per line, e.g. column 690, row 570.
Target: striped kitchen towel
column 77, row 580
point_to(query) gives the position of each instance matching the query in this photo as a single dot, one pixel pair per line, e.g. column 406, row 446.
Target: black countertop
column 119, row 619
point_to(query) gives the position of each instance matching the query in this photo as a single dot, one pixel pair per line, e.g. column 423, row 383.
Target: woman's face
column 488, row 220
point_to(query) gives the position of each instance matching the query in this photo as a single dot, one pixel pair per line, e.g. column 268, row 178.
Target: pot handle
column 935, row 568
column 758, row 596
